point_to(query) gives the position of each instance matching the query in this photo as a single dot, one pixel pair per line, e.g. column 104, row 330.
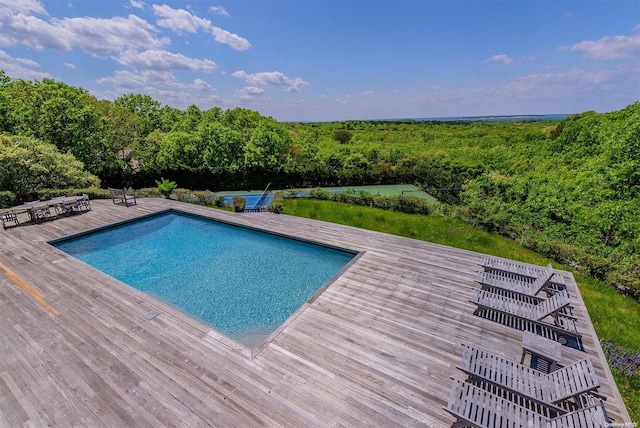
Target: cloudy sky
column 305, row 60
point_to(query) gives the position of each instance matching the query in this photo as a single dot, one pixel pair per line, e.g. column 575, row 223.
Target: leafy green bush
column 205, row 197
column 625, row 284
column 29, row 165
column 239, row 203
column 166, row 186
column 218, row 201
column 93, row 192
column 148, row 192
column 183, row 195
column 318, row 194
column 277, row 204
column 404, row 204
column 8, row 199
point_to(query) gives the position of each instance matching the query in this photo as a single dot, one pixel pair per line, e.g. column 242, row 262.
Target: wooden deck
column 376, row 348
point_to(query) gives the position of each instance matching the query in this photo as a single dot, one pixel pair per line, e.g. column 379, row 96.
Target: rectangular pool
column 243, row 282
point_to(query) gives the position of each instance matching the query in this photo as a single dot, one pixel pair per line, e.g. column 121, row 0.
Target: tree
column 180, row 151
column 144, row 107
column 29, row 165
column 342, row 136
column 189, row 120
column 268, row 147
column 223, row 146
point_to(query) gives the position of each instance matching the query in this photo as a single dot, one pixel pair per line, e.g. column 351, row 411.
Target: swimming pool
column 243, row 282
column 252, row 199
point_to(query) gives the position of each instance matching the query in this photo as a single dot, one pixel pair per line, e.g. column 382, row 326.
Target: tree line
column 568, row 189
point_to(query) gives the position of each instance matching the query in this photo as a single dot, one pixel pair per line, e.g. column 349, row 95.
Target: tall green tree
column 29, row 165
column 145, row 108
column 268, row 147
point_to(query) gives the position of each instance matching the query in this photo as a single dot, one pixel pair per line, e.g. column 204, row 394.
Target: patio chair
column 122, row 196
column 529, row 316
column 40, row 212
column 544, row 308
column 83, row 203
column 523, row 271
column 514, row 282
column 474, row 406
column 566, row 383
column 7, row 217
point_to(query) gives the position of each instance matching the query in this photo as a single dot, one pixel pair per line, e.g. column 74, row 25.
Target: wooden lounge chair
column 519, row 270
column 514, row 282
column 40, row 212
column 121, row 196
column 547, row 307
column 83, row 203
column 8, row 217
column 528, row 316
column 474, row 406
column 551, row 389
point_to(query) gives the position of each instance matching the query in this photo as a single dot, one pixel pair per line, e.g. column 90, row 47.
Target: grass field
column 615, row 318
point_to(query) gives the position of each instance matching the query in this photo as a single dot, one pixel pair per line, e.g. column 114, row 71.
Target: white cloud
column 26, row 61
column 201, row 85
column 223, row 36
column 68, row 64
column 551, row 82
column 271, row 78
column 34, row 33
column 137, row 81
column 155, row 59
column 137, row 4
column 179, row 20
column 506, row 59
column 248, row 92
column 615, row 47
column 22, row 6
column 219, row 10
column 529, row 58
column 367, row 93
column 93, row 35
column 15, row 68
column 97, row 35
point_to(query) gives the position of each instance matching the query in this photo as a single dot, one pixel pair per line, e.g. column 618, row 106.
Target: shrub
column 318, row 194
column 7, row 199
column 183, row 195
column 625, row 284
column 93, row 192
column 205, row 197
column 148, row 192
column 342, row 136
column 277, row 204
column 239, row 203
column 166, row 186
column 218, row 201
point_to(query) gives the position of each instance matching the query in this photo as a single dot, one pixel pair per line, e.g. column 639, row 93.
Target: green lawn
column 615, row 318
column 376, row 189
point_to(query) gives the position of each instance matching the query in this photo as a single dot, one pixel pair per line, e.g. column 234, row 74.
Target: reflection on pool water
column 243, row 282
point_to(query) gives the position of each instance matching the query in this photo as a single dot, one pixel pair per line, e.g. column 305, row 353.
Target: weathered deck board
column 376, row 348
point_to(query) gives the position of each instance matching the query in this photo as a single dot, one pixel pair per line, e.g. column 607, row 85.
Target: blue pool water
column 243, row 282
column 252, row 199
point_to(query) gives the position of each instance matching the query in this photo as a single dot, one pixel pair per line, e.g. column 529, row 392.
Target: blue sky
column 303, row 60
